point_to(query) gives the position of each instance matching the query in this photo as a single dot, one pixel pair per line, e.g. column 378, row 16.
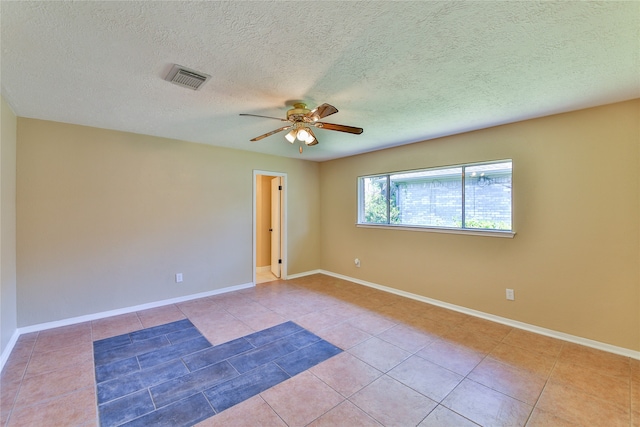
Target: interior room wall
column 8, row 138
column 574, row 260
column 263, row 220
column 106, row 218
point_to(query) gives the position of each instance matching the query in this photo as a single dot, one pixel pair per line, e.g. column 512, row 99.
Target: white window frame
column 433, row 229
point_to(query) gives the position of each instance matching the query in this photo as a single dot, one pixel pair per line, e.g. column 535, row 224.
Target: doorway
column 269, row 226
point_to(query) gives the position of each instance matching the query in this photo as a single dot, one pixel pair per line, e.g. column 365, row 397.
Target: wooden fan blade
column 258, row 138
column 340, row 128
column 265, row 117
column 321, row 112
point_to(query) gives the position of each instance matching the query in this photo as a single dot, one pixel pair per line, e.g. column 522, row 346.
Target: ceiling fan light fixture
column 303, row 134
column 310, row 139
column 291, row 136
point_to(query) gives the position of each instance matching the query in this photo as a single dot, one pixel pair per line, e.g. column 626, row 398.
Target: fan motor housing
column 298, row 112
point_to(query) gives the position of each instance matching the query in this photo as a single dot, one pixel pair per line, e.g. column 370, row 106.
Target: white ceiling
column 403, row 71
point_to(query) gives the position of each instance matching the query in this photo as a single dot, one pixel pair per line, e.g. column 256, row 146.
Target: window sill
column 472, row 232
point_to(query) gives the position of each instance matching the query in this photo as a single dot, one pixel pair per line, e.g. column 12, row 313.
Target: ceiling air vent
column 185, row 77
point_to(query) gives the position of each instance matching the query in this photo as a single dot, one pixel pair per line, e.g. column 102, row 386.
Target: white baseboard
column 7, row 350
column 509, row 322
column 305, row 273
column 102, row 315
column 503, row 320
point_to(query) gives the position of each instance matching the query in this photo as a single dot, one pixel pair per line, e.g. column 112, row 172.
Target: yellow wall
column 574, row 260
column 8, row 138
column 106, row 218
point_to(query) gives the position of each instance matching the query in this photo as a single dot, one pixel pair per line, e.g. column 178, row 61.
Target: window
column 467, row 197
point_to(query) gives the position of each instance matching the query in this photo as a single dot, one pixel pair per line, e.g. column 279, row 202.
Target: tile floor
column 404, row 363
column 265, row 276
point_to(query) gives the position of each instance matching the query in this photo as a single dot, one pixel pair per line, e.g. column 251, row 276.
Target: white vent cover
column 185, row 77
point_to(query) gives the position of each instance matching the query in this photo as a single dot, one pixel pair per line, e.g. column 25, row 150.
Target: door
column 276, row 226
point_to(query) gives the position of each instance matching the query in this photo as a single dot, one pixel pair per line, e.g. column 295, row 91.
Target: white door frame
column 283, row 230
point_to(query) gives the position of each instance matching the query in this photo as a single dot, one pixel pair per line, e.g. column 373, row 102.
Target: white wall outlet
column 178, row 277
column 510, row 295
column 357, row 262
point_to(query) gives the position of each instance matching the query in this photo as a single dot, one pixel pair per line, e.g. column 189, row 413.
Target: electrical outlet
column 178, row 277
column 511, row 295
column 357, row 262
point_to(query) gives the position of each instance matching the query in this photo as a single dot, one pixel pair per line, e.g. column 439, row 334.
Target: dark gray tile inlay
column 126, row 409
column 170, row 375
column 242, row 387
column 165, row 329
column 143, row 379
column 182, row 413
column 192, row 383
column 215, row 354
column 164, row 354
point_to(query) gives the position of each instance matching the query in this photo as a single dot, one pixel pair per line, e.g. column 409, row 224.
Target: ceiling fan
column 301, row 120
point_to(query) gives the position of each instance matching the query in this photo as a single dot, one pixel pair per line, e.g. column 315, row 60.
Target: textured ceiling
column 403, row 71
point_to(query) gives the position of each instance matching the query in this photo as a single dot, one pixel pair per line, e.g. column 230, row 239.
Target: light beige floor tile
column 380, row 354
column 407, row 338
column 492, row 330
column 426, row 377
column 635, row 369
column 533, row 342
column 54, row 384
column 23, row 348
column 597, row 360
column 515, row 382
column 471, row 340
column 244, row 306
column 319, row 320
column 289, row 309
column 537, row 363
column 444, row 316
column 443, row 417
column 73, row 409
column 430, row 327
column 14, row 368
column 72, row 355
column 346, row 373
column 635, row 394
column 201, row 307
column 252, row 412
column 301, row 399
column 115, row 325
column 57, row 338
column 540, row 418
column 372, row 323
column 8, row 393
column 261, row 320
column 160, row 315
column 221, row 332
column 454, row 357
column 393, row 404
column 345, row 414
column 612, row 389
column 344, row 335
column 581, row 408
column 485, row 406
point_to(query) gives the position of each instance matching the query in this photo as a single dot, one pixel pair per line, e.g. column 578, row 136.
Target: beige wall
column 8, row 316
column 106, row 218
column 574, row 261
column 263, row 220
